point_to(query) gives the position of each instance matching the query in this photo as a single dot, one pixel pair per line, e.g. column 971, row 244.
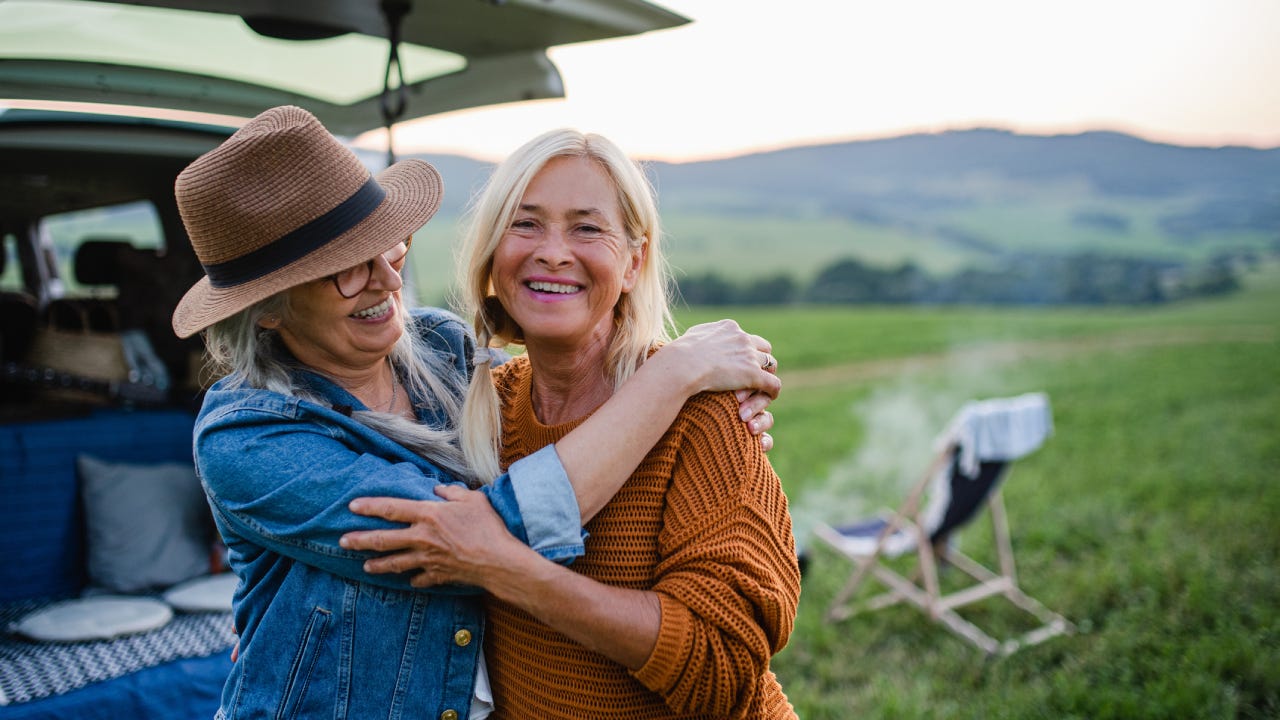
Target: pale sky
column 753, row 74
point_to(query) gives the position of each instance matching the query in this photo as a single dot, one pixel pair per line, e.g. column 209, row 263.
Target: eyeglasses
column 352, row 281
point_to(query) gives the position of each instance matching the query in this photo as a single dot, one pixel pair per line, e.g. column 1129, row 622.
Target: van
column 97, row 394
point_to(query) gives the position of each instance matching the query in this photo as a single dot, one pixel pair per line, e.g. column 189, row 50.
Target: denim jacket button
column 449, row 715
column 462, row 638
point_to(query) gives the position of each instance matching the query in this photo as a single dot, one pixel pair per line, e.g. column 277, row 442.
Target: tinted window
column 136, row 223
column 11, row 277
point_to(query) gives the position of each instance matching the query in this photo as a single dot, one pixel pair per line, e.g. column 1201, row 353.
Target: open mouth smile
column 554, row 288
column 376, row 312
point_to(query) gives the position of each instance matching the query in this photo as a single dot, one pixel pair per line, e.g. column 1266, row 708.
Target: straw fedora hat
column 283, row 202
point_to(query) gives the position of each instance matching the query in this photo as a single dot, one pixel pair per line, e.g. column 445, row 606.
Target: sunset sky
column 753, row 74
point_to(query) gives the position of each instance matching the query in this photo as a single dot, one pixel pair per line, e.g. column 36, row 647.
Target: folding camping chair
column 971, row 458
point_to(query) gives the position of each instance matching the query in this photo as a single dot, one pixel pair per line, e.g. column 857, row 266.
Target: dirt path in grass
column 1003, row 353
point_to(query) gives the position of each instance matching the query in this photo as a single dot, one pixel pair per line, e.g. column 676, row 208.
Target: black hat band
column 298, row 243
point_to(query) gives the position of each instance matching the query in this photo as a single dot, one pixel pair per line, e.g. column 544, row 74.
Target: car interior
column 97, row 394
column 93, row 247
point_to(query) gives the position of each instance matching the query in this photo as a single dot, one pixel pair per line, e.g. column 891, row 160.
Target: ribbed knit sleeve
column 728, row 579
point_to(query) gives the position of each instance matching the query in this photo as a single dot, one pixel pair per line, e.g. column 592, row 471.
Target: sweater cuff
column 665, row 664
column 548, row 506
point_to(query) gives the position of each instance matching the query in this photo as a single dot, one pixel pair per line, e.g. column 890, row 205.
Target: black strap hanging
column 393, row 107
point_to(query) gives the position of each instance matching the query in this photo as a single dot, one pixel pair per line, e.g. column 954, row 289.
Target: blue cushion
column 148, row 524
column 41, row 519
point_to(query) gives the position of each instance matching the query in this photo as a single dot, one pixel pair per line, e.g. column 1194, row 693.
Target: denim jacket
column 320, row 638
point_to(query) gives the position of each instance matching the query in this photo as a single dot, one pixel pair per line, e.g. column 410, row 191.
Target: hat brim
column 414, row 190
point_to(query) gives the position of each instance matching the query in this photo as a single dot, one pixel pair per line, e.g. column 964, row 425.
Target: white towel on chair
column 999, row 429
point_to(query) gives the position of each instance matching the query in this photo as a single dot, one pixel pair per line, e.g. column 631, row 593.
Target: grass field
column 1151, row 518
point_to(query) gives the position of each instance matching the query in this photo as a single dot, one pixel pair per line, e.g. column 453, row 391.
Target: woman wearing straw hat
column 333, row 390
column 690, row 582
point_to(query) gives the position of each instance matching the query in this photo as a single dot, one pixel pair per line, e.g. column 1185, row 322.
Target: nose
column 384, row 276
column 553, row 249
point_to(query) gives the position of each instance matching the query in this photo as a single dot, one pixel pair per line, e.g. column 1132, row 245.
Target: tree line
column 1082, row 279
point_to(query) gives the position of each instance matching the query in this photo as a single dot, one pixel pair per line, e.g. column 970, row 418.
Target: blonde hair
column 641, row 317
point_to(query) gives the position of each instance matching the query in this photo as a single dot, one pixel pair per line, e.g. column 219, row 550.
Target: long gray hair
column 239, row 346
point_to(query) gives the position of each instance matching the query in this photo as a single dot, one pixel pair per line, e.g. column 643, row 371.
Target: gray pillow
column 148, row 525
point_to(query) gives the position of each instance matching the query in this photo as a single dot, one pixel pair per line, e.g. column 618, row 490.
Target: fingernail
column 355, row 505
column 344, row 542
column 744, row 413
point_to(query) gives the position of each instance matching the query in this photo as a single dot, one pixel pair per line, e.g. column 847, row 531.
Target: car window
column 11, row 276
column 137, row 223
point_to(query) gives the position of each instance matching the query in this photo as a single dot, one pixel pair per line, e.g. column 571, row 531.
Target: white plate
column 208, row 593
column 101, row 617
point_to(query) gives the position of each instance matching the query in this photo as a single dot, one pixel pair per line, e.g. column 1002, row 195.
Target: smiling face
column 565, row 260
column 341, row 336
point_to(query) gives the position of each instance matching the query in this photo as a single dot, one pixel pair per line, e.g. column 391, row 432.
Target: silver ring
column 769, row 362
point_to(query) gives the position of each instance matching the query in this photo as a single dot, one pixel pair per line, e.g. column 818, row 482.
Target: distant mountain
column 954, row 199
column 1111, row 162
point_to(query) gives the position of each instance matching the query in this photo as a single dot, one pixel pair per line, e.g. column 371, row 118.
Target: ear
column 632, row 273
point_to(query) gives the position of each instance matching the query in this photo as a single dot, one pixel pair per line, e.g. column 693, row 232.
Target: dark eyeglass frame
column 353, row 275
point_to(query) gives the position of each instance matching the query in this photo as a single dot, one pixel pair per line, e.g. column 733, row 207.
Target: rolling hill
column 944, row 201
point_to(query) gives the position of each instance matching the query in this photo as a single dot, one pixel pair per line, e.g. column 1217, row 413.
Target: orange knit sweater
column 703, row 522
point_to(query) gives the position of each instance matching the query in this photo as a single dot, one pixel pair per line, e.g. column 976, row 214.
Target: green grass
column 1151, row 518
column 740, row 247
column 1044, row 222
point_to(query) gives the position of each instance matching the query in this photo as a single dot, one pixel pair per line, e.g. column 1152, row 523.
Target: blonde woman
column 689, row 583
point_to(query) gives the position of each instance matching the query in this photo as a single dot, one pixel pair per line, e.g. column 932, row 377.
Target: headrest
column 17, row 325
column 97, row 260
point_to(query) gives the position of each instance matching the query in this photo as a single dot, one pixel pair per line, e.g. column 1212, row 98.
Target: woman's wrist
column 679, row 373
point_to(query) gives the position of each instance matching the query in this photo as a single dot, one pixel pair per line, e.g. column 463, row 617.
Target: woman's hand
column 751, row 408
column 458, row 541
column 722, row 356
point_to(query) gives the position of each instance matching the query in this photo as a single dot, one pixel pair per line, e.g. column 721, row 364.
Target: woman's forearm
column 601, row 453
column 619, row 623
column 463, row 541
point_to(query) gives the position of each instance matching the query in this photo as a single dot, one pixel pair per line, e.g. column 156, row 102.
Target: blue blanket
column 30, row 670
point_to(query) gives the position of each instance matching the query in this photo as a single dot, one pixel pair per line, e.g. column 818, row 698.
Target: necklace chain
column 395, row 387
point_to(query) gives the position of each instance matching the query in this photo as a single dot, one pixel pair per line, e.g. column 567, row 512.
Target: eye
column 523, row 224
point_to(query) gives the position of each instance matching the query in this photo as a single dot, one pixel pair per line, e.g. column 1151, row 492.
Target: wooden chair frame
column 923, row 589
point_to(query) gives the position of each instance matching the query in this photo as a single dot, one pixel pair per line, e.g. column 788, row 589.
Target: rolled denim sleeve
column 538, row 504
